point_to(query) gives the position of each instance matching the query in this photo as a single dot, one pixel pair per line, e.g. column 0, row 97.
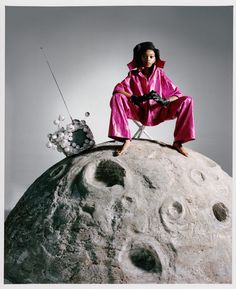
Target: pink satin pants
column 151, row 113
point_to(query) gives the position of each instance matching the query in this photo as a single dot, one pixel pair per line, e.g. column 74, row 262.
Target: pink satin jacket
column 136, row 83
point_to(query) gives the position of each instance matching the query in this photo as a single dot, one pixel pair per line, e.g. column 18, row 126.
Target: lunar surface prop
column 148, row 216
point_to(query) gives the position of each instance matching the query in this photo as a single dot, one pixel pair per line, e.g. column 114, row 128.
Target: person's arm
column 124, row 86
column 169, row 90
column 123, row 92
column 172, row 98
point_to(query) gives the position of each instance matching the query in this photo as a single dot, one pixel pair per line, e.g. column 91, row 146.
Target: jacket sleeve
column 124, row 85
column 168, row 88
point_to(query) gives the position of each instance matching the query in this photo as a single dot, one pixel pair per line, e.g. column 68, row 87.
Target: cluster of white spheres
column 62, row 139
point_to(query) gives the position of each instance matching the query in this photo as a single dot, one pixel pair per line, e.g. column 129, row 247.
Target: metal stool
column 141, row 129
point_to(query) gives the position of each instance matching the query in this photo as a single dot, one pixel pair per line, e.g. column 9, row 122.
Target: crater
column 145, row 259
column 89, row 209
column 174, row 215
column 175, row 210
column 129, row 199
column 110, row 173
column 197, row 176
column 220, row 211
column 149, row 182
column 55, row 173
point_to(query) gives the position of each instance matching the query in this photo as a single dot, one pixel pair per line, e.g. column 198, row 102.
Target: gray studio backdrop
column 88, row 48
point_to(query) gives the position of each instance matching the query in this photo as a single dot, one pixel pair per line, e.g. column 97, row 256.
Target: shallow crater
column 55, row 173
column 197, row 176
column 220, row 211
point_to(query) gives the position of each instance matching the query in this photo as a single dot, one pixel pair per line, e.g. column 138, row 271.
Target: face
column 148, row 58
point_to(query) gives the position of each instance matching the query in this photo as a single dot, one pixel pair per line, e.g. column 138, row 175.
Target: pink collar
column 132, row 65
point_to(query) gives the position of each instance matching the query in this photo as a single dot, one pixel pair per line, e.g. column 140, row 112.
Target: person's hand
column 153, row 93
column 155, row 96
column 138, row 99
column 164, row 102
column 135, row 99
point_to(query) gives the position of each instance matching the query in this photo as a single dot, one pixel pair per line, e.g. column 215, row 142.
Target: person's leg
column 184, row 127
column 123, row 148
column 179, row 147
column 182, row 109
column 122, row 110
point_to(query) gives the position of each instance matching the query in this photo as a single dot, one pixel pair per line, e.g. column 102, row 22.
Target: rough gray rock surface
column 148, row 216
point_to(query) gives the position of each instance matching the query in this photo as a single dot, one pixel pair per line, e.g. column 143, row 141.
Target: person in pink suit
column 150, row 97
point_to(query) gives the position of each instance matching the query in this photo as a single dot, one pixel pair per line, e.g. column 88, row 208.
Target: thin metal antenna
column 56, row 82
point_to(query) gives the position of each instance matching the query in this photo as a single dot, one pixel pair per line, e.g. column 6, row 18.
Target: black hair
column 142, row 47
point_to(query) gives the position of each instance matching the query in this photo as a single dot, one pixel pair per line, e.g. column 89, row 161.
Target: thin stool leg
column 141, row 129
